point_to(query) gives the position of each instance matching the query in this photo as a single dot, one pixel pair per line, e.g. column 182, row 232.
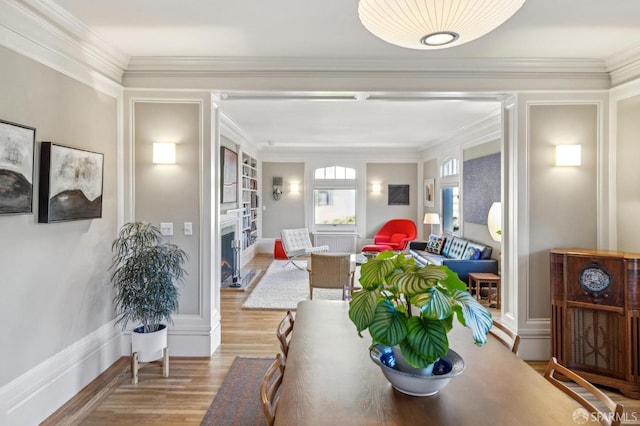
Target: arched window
column 449, row 168
column 335, row 172
column 334, row 196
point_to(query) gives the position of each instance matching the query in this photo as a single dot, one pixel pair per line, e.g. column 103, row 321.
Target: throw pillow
column 476, row 254
column 476, row 246
column 435, row 243
column 469, row 253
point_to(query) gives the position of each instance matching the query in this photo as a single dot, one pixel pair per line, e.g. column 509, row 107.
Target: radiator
column 336, row 241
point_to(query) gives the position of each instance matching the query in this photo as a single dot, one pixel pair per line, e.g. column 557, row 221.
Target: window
column 335, row 172
column 449, row 168
column 334, row 206
column 451, row 214
column 451, row 209
column 334, row 197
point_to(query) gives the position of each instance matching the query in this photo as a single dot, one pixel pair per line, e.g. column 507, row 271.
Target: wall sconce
column 494, row 221
column 568, row 155
column 431, row 219
column 164, row 153
column 277, row 188
column 376, row 188
column 294, row 187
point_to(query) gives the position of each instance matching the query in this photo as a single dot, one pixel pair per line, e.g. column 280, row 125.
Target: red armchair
column 396, row 233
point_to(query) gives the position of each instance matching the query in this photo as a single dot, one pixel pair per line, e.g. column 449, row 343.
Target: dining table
column 330, row 379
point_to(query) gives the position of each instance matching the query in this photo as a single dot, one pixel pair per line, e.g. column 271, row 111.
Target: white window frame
column 356, row 184
column 451, row 179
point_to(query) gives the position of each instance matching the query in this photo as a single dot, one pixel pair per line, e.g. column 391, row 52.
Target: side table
column 477, row 279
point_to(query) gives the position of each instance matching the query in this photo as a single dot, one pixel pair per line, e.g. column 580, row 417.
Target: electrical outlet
column 188, row 228
column 166, row 228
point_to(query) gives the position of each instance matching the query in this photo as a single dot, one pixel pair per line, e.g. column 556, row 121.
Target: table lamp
column 431, row 219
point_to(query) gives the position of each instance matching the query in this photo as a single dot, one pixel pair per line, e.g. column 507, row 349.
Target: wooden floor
column 183, row 398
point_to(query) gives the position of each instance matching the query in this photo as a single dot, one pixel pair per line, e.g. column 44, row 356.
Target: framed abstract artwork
column 70, row 184
column 398, row 195
column 17, row 144
column 429, row 192
column 229, row 172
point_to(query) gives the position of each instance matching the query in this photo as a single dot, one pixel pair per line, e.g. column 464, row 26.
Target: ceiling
column 541, row 29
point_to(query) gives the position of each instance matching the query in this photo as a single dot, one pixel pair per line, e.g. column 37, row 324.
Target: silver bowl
column 416, row 384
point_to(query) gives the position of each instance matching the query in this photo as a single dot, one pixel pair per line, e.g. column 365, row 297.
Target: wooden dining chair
column 505, row 336
column 270, row 389
column 331, row 270
column 283, row 332
column 612, row 413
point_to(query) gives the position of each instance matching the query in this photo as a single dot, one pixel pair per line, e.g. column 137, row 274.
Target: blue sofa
column 459, row 254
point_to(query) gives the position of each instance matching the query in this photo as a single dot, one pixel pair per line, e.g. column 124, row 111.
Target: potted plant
column 145, row 276
column 411, row 308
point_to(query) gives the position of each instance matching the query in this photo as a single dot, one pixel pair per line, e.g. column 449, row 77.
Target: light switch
column 166, row 228
column 188, row 228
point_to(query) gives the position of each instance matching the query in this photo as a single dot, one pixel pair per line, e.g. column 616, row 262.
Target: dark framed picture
column 229, row 172
column 398, row 195
column 70, row 184
column 17, row 144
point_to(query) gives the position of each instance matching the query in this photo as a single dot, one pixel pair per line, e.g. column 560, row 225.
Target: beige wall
column 377, row 209
column 54, row 277
column 170, row 192
column 289, row 211
column 562, row 200
column 628, row 174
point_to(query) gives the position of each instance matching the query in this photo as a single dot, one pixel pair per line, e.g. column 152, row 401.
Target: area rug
column 237, row 402
column 282, row 287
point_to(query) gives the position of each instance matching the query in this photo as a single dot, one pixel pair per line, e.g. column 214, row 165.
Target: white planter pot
column 403, row 365
column 149, row 346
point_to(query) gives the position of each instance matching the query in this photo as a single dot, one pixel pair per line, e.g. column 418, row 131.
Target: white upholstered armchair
column 296, row 243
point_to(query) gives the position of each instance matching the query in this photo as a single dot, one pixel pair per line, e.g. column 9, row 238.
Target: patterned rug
column 237, row 402
column 282, row 287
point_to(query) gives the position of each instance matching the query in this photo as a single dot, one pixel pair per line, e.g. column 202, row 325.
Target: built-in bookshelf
column 250, row 200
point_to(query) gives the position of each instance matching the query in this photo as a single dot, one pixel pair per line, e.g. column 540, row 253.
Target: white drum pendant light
column 434, row 24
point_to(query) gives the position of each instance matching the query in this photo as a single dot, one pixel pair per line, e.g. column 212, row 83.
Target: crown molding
column 234, row 132
column 369, row 154
column 54, row 32
column 292, row 64
column 624, row 66
column 592, row 70
column 483, row 130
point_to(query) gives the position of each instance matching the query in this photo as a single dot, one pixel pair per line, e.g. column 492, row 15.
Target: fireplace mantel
column 230, row 215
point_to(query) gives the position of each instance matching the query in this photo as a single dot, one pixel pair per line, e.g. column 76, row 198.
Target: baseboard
column 534, row 346
column 35, row 395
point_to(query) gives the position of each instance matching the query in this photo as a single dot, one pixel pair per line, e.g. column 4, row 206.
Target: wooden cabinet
column 250, row 200
column 595, row 319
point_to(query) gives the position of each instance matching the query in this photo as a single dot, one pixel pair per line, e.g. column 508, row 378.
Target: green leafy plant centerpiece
column 145, row 273
column 413, row 307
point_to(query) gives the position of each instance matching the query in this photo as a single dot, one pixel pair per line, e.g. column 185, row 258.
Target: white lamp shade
column 294, row 187
column 568, row 155
column 434, row 24
column 431, row 219
column 164, row 153
column 494, row 221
